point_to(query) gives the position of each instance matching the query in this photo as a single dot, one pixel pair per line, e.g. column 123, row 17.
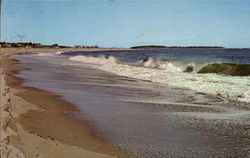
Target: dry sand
column 34, row 123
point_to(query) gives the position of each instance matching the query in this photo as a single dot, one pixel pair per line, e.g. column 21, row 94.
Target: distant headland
column 159, row 46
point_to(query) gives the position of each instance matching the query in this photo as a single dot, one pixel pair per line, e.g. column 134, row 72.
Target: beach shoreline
column 90, row 109
column 34, row 128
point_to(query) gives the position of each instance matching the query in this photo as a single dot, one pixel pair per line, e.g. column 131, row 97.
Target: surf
column 211, row 78
column 196, row 67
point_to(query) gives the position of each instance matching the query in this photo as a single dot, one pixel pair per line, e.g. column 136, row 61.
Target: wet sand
column 34, row 123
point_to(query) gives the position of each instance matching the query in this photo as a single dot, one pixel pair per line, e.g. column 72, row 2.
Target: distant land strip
column 156, row 46
column 39, row 45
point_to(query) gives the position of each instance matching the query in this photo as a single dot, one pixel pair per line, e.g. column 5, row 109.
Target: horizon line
column 148, row 45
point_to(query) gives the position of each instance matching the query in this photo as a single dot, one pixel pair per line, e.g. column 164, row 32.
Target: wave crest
column 195, row 67
column 227, row 69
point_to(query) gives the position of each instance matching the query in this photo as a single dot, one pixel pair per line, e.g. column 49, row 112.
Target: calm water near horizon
column 148, row 104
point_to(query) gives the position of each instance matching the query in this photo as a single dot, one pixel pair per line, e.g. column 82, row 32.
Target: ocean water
column 224, row 72
column 154, row 103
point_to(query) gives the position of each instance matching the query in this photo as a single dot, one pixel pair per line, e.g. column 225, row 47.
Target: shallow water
column 143, row 118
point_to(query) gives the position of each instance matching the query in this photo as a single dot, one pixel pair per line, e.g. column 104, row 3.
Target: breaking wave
column 181, row 74
column 174, row 66
column 227, row 69
column 179, row 66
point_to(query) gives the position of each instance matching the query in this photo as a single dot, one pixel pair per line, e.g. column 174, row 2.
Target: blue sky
column 118, row 23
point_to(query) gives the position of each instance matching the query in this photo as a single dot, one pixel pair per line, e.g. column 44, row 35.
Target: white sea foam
column 172, row 66
column 49, row 54
column 237, row 88
column 59, row 52
column 102, row 60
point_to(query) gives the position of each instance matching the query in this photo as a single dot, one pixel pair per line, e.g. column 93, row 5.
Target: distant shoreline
column 39, row 45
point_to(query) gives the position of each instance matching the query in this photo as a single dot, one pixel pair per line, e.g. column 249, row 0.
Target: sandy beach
column 66, row 103
column 34, row 123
